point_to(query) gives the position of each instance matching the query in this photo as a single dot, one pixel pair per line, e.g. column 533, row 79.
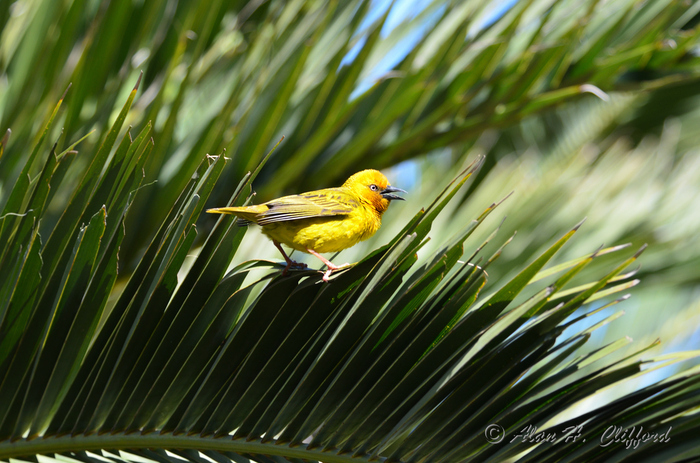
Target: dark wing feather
column 322, row 203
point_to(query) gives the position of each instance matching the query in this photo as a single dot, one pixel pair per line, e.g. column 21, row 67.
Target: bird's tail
column 228, row 210
column 246, row 215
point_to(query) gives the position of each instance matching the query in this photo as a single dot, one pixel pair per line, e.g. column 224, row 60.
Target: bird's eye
column 373, row 187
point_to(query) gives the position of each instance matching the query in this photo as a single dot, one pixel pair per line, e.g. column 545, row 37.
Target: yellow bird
column 321, row 221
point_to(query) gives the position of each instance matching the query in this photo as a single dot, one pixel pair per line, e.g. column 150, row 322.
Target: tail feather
column 246, row 215
column 228, row 210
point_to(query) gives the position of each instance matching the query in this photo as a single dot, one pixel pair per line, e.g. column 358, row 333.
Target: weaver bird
column 321, row 221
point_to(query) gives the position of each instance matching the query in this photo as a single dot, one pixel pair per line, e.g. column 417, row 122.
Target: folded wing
column 323, row 203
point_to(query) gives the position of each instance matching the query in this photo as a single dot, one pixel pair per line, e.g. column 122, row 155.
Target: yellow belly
column 325, row 234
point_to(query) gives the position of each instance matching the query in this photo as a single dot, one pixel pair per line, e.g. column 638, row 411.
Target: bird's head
column 373, row 187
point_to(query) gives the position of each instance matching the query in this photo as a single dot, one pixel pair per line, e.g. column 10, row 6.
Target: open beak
column 387, row 193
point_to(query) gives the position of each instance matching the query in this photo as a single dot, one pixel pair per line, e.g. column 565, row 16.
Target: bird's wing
column 322, row 203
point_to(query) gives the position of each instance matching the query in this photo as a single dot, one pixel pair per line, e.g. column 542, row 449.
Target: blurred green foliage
column 583, row 108
column 237, row 76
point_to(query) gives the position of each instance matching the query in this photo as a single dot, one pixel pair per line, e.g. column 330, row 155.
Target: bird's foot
column 292, row 265
column 332, row 268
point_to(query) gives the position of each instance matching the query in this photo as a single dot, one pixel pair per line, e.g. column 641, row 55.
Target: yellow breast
column 326, row 234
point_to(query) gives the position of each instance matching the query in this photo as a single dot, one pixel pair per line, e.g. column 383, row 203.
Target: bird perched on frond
column 322, row 221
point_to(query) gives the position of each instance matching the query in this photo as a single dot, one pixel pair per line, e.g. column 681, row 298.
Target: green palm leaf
column 388, row 360
column 134, row 332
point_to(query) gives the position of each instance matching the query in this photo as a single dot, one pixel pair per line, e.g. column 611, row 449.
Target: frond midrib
column 123, row 441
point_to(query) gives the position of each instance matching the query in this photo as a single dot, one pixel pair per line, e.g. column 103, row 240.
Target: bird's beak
column 387, row 193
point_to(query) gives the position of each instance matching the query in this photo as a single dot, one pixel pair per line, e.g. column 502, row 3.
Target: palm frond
column 392, row 359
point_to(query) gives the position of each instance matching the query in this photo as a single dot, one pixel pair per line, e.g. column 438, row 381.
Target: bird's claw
column 333, row 268
column 295, row 266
